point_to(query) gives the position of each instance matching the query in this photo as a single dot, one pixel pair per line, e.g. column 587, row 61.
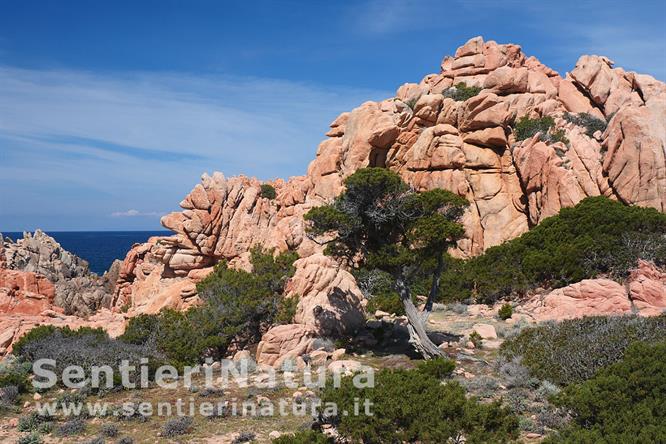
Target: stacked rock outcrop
column 77, row 290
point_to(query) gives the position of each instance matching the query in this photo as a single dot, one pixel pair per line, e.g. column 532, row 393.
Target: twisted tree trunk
column 418, row 336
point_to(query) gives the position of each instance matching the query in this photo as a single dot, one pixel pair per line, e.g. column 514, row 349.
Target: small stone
column 274, row 434
column 242, row 354
column 338, row 354
column 13, row 422
column 36, row 396
column 470, row 345
column 318, row 358
column 380, row 314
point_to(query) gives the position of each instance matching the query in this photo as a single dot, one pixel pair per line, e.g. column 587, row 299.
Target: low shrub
column 31, row 438
column 14, row 373
column 574, row 350
column 32, row 421
column 86, row 348
column 176, row 427
column 268, row 191
column 239, row 306
column 411, row 406
column 244, row 437
column 8, row 396
column 461, row 92
column 588, row 121
column 72, row 427
column 126, row 440
column 438, row 368
column 505, row 312
column 476, row 339
column 623, row 403
column 524, row 128
column 304, row 437
column 109, row 430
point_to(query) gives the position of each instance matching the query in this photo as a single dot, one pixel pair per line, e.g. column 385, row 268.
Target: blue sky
column 111, row 110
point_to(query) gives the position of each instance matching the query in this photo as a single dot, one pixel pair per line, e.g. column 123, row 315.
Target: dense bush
column 597, row 236
column 239, row 306
column 304, row 437
column 588, row 121
column 13, row 376
column 461, row 92
column 524, row 128
column 267, row 191
column 176, row 427
column 438, row 368
column 624, row 403
column 412, row 406
column 86, row 348
column 109, row 430
column 574, row 350
column 505, row 312
column 244, row 437
column 31, row 438
column 32, row 422
column 72, row 427
column 378, row 288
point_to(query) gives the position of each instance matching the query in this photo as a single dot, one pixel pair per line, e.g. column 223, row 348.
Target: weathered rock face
column 467, row 147
column 77, row 290
column 644, row 292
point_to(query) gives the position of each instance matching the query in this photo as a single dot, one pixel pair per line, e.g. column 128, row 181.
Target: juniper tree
column 380, row 223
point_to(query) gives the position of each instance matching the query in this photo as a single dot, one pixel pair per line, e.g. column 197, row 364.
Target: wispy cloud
column 84, row 144
column 137, row 213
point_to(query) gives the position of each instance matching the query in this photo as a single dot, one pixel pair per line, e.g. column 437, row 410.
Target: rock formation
column 42, row 284
column 432, row 140
column 468, row 147
column 77, row 290
column 644, row 292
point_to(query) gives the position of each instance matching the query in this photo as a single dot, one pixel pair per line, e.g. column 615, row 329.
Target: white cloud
column 137, row 213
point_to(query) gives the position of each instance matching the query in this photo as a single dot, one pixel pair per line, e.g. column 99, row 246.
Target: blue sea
column 99, row 248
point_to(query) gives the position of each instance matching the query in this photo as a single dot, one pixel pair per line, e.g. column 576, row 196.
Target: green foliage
column 476, row 339
column 32, row 421
column 286, row 310
column 588, row 121
column 14, row 373
column 176, row 427
column 86, row 348
column 31, row 438
column 72, row 427
column 238, row 306
column 304, row 437
column 505, row 312
column 44, row 331
column 623, row 403
column 461, row 92
column 268, row 191
column 411, row 103
column 438, row 368
column 378, row 287
column 524, row 128
column 413, row 406
column 391, row 227
column 574, row 350
column 597, row 236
